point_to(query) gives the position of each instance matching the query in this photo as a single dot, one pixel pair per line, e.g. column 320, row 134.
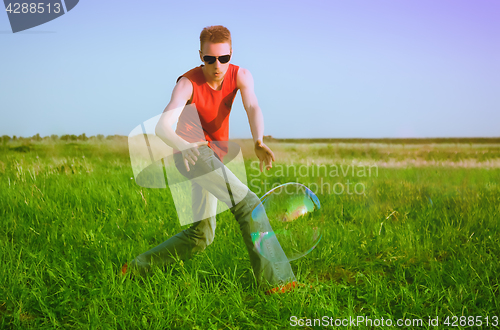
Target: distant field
column 416, row 238
column 393, row 153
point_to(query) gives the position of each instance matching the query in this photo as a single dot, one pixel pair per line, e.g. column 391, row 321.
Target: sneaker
column 284, row 288
column 124, row 269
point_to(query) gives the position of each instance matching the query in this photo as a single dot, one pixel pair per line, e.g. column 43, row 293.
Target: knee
column 202, row 243
column 246, row 205
column 203, row 235
column 252, row 199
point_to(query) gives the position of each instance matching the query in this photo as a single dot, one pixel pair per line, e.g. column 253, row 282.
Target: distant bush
column 23, row 148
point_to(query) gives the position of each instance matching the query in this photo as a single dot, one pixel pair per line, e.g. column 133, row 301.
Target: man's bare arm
column 255, row 118
column 180, row 95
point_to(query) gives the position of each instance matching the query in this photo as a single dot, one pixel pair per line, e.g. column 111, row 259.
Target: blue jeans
column 211, row 181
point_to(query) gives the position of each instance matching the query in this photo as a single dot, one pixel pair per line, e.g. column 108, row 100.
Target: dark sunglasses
column 211, row 59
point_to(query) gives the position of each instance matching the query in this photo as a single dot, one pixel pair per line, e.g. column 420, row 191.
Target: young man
column 200, row 142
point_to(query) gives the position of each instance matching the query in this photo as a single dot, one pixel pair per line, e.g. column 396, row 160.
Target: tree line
column 54, row 137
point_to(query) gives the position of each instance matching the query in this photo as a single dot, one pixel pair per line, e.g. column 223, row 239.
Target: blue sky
column 358, row 68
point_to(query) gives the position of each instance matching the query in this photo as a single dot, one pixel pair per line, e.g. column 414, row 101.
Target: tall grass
column 421, row 242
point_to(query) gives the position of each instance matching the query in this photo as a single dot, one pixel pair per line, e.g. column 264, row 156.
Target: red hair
column 215, row 34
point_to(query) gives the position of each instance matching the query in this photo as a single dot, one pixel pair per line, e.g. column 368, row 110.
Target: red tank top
column 210, row 109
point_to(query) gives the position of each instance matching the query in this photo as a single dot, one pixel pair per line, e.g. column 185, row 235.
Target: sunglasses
column 211, row 59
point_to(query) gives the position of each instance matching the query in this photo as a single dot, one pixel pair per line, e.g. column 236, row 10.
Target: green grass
column 422, row 242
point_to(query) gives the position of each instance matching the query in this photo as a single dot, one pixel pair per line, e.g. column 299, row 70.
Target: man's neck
column 214, row 84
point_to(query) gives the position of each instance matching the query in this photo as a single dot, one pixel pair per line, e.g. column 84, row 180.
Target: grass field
column 421, row 241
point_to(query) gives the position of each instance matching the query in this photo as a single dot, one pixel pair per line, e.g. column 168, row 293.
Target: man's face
column 215, row 71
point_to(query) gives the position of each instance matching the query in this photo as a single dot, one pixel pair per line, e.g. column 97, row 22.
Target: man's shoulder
column 195, row 75
column 238, row 68
column 244, row 77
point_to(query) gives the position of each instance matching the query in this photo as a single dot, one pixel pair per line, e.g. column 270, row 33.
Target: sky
column 322, row 69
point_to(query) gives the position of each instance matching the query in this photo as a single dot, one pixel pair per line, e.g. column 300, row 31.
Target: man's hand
column 264, row 154
column 190, row 153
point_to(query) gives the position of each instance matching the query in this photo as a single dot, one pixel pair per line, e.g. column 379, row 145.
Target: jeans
column 211, row 181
